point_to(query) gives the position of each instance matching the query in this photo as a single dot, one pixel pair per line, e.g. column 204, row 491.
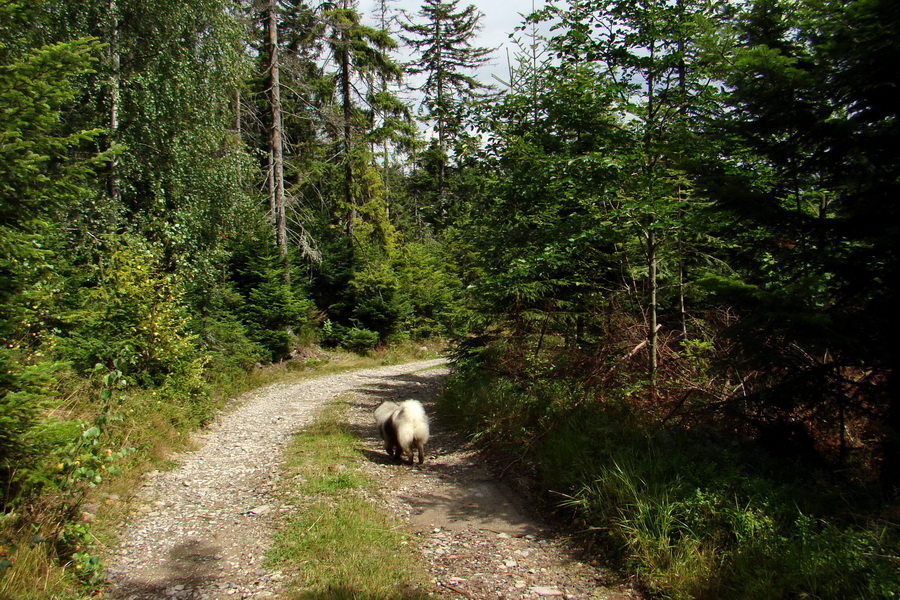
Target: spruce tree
column 442, row 40
column 45, row 164
column 360, row 53
column 809, row 164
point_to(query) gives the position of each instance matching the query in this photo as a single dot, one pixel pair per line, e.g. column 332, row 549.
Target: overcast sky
column 501, row 17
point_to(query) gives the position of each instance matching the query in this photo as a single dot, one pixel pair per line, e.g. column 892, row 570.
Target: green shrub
column 434, row 292
column 26, row 393
column 132, row 319
column 276, row 315
column 359, row 340
column 378, row 302
column 231, row 352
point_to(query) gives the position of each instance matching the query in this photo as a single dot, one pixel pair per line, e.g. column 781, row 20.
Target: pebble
column 546, row 591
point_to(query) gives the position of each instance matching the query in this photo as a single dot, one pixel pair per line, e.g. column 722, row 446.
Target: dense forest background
column 663, row 250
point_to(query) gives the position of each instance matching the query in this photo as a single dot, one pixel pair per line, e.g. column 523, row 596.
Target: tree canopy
column 680, row 212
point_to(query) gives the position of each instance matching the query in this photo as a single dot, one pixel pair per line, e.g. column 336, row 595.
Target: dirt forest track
column 201, row 530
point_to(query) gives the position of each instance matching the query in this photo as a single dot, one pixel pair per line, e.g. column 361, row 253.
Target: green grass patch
column 339, row 544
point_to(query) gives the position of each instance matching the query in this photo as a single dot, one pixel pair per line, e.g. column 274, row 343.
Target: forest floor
column 201, row 531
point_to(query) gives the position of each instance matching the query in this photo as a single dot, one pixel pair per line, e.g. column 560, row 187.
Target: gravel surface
column 201, row 530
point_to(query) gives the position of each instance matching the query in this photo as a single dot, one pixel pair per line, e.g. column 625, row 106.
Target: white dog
column 404, row 428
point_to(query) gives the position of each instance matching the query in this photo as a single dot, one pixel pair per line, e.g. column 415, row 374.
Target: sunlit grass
column 687, row 515
column 339, row 544
column 32, row 576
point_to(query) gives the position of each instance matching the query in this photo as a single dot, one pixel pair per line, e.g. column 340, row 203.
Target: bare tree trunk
column 682, row 302
column 441, row 120
column 348, row 131
column 652, row 264
column 237, row 111
column 270, row 178
column 276, row 143
column 115, row 193
column 384, row 23
column 682, row 110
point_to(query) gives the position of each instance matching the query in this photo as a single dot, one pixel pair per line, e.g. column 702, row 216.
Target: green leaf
column 91, row 433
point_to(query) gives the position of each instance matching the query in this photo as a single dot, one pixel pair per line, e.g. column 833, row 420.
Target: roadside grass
column 338, row 544
column 103, row 448
column 33, row 577
column 691, row 514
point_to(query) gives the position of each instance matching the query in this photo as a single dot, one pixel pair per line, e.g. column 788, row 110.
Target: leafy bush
column 133, row 320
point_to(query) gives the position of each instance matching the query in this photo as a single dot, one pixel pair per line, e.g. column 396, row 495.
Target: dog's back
column 384, row 412
column 403, row 427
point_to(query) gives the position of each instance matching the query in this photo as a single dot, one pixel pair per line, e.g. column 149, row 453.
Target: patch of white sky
column 500, row 19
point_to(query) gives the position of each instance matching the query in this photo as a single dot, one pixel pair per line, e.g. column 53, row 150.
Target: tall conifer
column 442, row 41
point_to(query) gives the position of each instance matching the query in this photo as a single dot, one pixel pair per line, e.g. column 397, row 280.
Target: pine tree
column 809, row 164
column 443, row 41
column 360, row 53
column 44, row 165
column 648, row 55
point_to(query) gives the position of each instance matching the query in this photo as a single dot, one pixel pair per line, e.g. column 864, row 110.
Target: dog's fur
column 404, row 429
column 386, row 428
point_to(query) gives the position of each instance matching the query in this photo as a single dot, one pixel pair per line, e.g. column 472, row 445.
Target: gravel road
column 201, row 531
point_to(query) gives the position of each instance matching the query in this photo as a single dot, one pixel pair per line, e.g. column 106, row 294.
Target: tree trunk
column 114, row 84
column 652, row 264
column 384, row 22
column 682, row 302
column 441, row 119
column 347, row 141
column 276, row 143
column 237, row 111
column 890, row 458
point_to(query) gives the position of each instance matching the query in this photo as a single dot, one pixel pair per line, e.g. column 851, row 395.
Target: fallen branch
column 455, row 589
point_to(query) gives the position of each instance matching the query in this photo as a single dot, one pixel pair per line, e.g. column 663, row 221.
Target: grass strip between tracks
column 339, row 543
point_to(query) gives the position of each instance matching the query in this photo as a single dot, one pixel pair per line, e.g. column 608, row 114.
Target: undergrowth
column 92, row 441
column 693, row 514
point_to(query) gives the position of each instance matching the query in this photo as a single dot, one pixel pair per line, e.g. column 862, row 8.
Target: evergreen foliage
column 41, row 173
column 442, row 41
column 684, row 210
